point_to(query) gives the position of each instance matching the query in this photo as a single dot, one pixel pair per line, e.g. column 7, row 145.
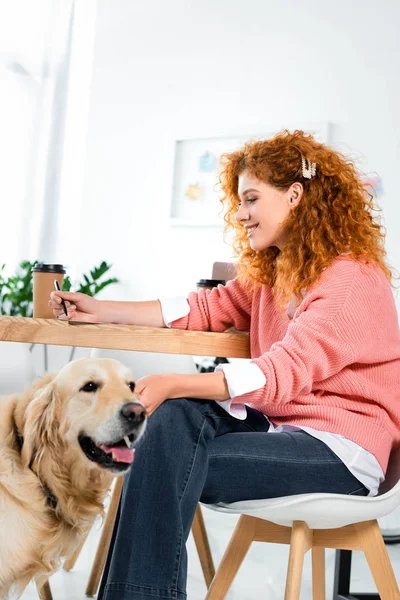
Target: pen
column 57, row 286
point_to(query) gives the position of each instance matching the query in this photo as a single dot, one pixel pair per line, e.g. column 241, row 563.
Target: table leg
column 341, row 583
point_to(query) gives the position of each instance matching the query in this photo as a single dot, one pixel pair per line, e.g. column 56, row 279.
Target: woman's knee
column 174, row 407
column 174, row 411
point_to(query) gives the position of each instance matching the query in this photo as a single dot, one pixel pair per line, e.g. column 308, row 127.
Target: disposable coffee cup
column 209, row 284
column 44, row 276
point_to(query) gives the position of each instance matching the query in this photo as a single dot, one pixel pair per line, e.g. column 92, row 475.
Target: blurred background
column 112, row 118
column 95, row 95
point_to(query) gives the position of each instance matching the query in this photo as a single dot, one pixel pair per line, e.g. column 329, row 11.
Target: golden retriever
column 60, row 444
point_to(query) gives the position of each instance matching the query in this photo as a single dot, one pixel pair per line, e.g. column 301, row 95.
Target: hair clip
column 308, row 169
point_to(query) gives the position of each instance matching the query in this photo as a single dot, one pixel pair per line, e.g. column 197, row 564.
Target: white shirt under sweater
column 249, row 377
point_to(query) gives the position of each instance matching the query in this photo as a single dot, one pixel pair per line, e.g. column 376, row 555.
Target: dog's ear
column 41, row 422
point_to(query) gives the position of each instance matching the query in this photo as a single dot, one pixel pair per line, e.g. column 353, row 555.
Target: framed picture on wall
column 195, row 191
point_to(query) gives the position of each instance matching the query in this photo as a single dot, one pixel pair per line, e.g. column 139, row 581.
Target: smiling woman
column 263, row 210
column 310, row 205
column 314, row 292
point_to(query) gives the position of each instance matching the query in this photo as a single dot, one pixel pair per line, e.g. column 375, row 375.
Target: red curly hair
column 335, row 215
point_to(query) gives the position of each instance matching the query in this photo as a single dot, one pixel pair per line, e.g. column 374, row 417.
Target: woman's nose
column 242, row 213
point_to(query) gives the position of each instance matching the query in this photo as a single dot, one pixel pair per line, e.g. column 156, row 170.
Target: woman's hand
column 153, row 390
column 80, row 307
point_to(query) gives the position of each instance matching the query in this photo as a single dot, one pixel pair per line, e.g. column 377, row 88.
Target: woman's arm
column 81, row 307
column 211, row 311
column 153, row 390
column 206, row 386
column 218, row 309
column 147, row 313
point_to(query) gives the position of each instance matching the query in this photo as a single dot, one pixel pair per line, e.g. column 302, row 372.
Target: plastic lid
column 47, row 268
column 210, row 282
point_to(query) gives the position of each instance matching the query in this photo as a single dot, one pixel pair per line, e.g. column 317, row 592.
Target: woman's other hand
column 153, row 390
column 80, row 307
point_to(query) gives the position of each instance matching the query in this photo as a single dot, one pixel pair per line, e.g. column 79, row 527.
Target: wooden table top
column 123, row 337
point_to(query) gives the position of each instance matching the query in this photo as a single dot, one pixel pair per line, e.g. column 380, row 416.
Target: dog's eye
column 131, row 385
column 90, row 386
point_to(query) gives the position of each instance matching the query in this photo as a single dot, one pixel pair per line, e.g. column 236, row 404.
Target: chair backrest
column 224, row 270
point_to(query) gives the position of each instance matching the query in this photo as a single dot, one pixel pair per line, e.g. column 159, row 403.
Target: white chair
column 141, row 364
column 316, row 522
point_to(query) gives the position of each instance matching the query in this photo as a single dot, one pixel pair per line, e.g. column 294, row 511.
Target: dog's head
column 88, row 411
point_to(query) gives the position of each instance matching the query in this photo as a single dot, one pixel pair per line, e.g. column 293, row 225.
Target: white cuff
column 240, row 380
column 173, row 309
column 238, row 411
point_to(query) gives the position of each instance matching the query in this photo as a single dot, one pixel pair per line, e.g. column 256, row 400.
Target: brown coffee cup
column 44, row 276
column 209, row 284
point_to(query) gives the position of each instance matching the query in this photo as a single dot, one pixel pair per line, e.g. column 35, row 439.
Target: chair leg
column 236, row 551
column 378, row 560
column 71, row 560
column 203, row 547
column 318, row 573
column 300, row 543
column 44, row 591
column 102, row 548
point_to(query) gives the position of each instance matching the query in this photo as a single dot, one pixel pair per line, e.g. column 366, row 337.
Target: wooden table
column 127, row 337
column 123, row 337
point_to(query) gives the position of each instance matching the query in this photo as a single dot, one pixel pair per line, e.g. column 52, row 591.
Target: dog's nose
column 134, row 412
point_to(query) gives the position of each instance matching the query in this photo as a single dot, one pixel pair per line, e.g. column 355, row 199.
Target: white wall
column 166, row 70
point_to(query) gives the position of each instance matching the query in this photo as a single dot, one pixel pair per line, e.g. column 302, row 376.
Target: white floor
column 262, row 574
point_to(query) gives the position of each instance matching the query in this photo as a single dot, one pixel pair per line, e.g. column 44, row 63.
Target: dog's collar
column 51, row 498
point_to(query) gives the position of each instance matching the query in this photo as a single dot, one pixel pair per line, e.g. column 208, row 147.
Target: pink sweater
column 334, row 367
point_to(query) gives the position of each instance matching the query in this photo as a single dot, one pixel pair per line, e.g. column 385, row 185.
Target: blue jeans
column 194, row 450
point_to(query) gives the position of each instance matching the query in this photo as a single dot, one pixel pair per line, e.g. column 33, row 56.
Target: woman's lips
column 251, row 229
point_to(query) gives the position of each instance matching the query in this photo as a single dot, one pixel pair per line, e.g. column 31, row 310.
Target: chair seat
column 319, row 511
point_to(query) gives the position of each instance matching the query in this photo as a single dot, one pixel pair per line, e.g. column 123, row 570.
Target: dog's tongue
column 119, row 453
